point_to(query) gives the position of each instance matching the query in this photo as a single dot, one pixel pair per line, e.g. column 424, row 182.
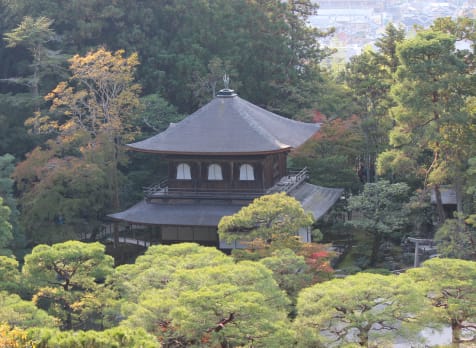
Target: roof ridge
column 256, row 126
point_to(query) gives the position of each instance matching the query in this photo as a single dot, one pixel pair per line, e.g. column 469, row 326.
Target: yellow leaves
column 102, row 65
column 13, row 337
column 471, row 220
column 100, row 97
column 46, row 292
column 59, row 90
column 68, row 128
column 41, row 124
column 77, row 306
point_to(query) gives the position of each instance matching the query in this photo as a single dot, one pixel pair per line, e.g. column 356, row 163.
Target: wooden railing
column 167, row 192
column 285, row 184
column 156, row 188
column 289, row 182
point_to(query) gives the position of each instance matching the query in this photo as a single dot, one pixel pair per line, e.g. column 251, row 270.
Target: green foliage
column 23, row 314
column 290, row 271
column 331, row 154
column 332, row 97
column 63, row 197
column 116, row 337
column 449, row 286
column 387, row 48
column 68, row 265
column 377, row 202
column 330, row 171
column 14, row 138
column 295, row 264
column 471, row 190
column 5, row 227
column 7, row 166
column 206, row 87
column 10, row 277
column 155, row 268
column 268, row 217
column 245, row 294
column 157, row 114
column 196, row 295
column 433, row 134
column 421, row 214
column 381, row 211
column 269, row 44
column 6, row 169
column 34, row 34
column 66, row 279
column 396, row 165
column 455, row 239
column 31, row 33
column 370, row 76
column 364, row 308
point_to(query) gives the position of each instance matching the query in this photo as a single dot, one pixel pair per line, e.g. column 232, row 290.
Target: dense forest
column 80, row 79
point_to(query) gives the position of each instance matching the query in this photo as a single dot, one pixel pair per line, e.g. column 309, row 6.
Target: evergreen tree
column 370, row 76
column 432, row 132
column 382, row 213
column 66, row 279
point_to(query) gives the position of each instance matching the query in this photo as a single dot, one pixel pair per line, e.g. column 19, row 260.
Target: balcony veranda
column 285, row 184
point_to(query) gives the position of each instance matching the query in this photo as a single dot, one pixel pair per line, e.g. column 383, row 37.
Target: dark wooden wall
column 268, row 169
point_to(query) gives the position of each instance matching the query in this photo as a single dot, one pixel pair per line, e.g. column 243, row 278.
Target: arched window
column 246, row 172
column 183, row 172
column 214, row 172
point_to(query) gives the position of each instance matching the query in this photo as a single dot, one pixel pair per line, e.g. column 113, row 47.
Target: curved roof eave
column 216, row 153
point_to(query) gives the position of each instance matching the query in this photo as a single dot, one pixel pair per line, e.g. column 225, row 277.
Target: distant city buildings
column 359, row 23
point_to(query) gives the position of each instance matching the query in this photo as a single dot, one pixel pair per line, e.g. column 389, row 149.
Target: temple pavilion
column 220, row 158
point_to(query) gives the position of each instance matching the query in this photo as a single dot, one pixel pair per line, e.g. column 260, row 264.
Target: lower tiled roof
column 315, row 199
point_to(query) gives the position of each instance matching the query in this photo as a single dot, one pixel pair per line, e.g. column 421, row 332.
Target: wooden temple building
column 220, row 158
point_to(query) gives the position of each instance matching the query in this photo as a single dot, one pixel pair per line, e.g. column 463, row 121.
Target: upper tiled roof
column 229, row 125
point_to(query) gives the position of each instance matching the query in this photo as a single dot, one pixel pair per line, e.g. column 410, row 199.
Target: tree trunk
column 35, row 88
column 68, row 325
column 458, row 187
column 115, row 187
column 455, row 332
column 439, row 204
column 375, row 249
column 364, row 337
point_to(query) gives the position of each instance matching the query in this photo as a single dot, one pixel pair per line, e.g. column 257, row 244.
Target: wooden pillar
column 263, row 167
column 232, row 174
column 116, row 234
column 199, row 178
column 416, row 262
